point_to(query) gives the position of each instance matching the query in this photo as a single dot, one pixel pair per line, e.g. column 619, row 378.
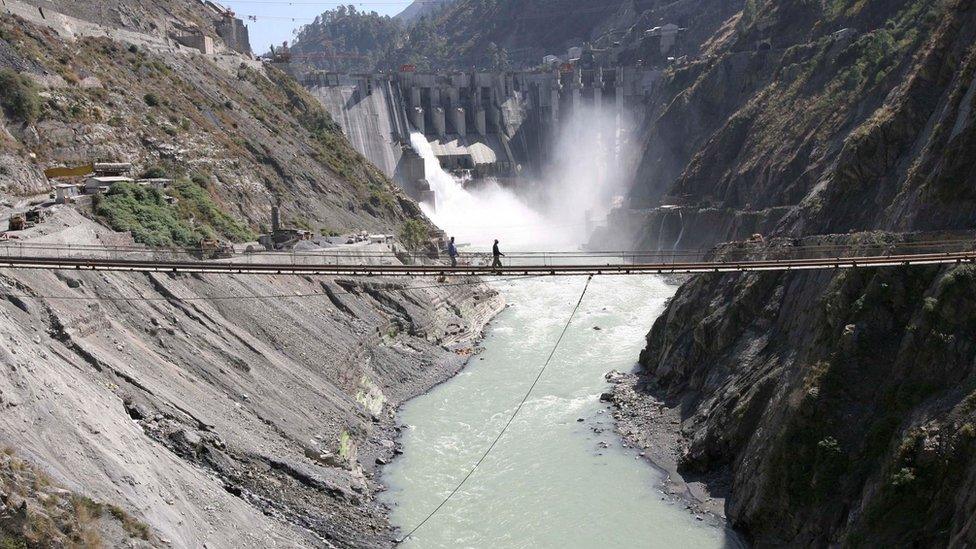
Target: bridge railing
column 730, row 252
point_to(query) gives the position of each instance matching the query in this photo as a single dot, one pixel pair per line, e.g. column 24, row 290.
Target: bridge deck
column 348, row 269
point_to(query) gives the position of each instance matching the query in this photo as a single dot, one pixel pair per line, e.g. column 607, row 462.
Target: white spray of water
column 681, row 232
column 585, row 172
column 479, row 216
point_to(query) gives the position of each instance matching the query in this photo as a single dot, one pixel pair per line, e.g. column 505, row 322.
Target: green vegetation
column 153, row 221
column 11, row 542
column 196, row 202
column 145, row 213
column 55, row 517
column 331, row 146
column 151, row 100
column 156, row 172
column 19, row 97
column 413, row 234
column 345, row 446
column 351, row 40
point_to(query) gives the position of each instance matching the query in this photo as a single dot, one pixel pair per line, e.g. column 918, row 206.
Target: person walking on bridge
column 497, row 255
column 452, row 252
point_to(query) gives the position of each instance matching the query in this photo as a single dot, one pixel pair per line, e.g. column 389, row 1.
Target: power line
column 510, row 420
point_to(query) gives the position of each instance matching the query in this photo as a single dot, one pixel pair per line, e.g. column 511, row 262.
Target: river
column 549, row 482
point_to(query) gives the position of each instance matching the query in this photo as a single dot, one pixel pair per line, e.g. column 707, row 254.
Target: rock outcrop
column 829, row 407
column 843, row 406
column 799, row 120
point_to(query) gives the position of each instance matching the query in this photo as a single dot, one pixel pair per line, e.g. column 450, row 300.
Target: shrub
column 156, row 172
column 19, row 97
column 903, row 477
column 151, row 100
column 413, row 234
column 144, row 212
column 196, row 202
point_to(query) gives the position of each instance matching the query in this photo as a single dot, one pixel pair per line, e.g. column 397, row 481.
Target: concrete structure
column 281, row 238
column 100, row 184
column 64, row 193
column 667, row 36
column 229, row 28
column 486, row 123
column 111, row 168
column 200, row 42
column 157, row 183
column 235, row 34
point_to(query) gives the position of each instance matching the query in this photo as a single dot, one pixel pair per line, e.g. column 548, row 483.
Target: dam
column 501, row 125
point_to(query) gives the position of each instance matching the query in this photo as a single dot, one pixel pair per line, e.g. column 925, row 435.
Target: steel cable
column 510, row 419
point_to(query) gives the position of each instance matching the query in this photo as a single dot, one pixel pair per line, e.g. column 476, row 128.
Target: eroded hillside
column 226, row 410
column 806, row 120
column 219, row 411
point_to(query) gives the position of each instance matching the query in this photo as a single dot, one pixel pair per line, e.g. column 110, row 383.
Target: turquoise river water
column 549, row 482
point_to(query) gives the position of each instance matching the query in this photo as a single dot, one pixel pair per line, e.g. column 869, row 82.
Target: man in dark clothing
column 497, row 255
column 452, row 252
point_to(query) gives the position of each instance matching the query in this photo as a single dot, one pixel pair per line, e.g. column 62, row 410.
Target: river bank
column 654, row 426
column 231, row 411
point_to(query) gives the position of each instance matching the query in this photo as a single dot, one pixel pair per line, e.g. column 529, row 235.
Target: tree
column 413, row 234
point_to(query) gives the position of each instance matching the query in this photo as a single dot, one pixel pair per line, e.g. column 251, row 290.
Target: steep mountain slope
column 806, row 120
column 516, row 34
column 471, row 32
column 421, row 8
column 837, row 406
column 229, row 411
column 345, row 39
column 253, row 135
column 840, row 406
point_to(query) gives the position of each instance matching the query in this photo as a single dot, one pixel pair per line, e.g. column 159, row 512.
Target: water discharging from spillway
column 480, row 216
column 560, row 476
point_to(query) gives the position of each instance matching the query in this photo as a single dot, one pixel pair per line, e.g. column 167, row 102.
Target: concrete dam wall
column 480, row 124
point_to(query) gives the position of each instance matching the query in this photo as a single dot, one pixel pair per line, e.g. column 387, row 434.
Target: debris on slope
column 218, row 416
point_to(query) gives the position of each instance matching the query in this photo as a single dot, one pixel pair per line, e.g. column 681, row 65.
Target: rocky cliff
column 830, row 407
column 840, row 406
column 805, row 119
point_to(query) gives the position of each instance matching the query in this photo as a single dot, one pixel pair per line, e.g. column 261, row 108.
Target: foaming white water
column 589, row 166
column 478, row 217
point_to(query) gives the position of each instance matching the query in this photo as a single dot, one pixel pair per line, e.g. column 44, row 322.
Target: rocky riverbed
column 648, row 421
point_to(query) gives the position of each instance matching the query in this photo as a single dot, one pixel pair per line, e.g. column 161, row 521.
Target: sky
column 277, row 19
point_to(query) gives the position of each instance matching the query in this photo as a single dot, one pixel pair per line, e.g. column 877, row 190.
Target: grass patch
column 145, row 213
column 196, row 202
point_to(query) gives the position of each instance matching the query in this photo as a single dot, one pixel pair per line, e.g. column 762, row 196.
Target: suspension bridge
column 375, row 263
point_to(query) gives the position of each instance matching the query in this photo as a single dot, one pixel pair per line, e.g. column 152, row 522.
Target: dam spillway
column 497, row 124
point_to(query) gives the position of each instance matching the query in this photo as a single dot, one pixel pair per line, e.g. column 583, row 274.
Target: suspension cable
column 99, row 297
column 510, row 420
